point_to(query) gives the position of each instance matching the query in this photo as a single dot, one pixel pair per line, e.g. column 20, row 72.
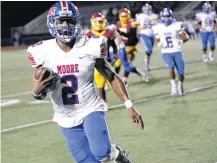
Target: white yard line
column 9, row 102
column 162, row 96
column 154, row 69
column 16, row 94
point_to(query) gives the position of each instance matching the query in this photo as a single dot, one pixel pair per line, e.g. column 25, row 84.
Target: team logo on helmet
column 52, row 11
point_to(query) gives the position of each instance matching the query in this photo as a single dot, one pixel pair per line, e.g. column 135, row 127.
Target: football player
column 78, row 109
column 98, row 28
column 145, row 22
column 127, row 28
column 206, row 25
column 169, row 36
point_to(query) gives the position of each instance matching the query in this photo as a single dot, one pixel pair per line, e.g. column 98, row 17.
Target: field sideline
column 178, row 129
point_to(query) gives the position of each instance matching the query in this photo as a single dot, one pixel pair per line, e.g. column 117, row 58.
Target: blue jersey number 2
column 69, row 95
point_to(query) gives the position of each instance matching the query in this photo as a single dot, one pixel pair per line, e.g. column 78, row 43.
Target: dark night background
column 18, row 13
column 15, row 13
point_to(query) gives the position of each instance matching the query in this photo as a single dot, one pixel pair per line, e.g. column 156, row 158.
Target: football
column 52, row 84
column 39, row 70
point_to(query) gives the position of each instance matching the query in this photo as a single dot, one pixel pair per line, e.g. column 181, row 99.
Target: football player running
column 78, row 109
column 207, row 25
column 98, row 28
column 169, row 36
column 127, row 28
column 145, row 22
column 116, row 52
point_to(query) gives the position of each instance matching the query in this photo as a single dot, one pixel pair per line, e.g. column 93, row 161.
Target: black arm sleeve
column 132, row 32
column 114, row 46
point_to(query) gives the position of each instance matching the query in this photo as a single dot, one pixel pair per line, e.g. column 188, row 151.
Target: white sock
column 180, row 83
column 112, row 156
column 173, row 82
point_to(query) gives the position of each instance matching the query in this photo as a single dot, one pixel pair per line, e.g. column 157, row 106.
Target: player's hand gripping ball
column 38, row 73
column 51, row 84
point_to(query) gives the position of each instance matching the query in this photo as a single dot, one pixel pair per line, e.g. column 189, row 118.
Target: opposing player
column 79, row 111
column 127, row 28
column 145, row 22
column 206, row 25
column 98, row 28
column 169, row 36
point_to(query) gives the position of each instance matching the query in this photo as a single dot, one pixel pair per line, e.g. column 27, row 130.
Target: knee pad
column 117, row 63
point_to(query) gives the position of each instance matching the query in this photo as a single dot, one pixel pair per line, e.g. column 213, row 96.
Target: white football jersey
column 169, row 36
column 77, row 95
column 207, row 21
column 146, row 21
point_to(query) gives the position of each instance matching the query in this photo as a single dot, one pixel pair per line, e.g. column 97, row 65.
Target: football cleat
column 205, row 58
column 144, row 77
column 122, row 157
column 211, row 56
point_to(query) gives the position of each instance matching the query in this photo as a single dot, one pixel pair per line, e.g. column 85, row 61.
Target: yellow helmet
column 124, row 15
column 98, row 22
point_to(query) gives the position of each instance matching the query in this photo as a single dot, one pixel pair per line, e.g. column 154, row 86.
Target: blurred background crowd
column 29, row 24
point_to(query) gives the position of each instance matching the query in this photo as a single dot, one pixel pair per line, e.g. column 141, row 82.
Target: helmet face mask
column 98, row 22
column 206, row 8
column 64, row 24
column 124, row 15
column 147, row 9
column 167, row 17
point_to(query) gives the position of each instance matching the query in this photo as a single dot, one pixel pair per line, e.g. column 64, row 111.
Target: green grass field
column 177, row 129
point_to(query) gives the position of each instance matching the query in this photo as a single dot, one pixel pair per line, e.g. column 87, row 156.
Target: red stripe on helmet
column 64, row 5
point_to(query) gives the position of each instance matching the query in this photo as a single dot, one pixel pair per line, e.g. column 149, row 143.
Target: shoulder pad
column 96, row 47
column 88, row 33
column 34, row 53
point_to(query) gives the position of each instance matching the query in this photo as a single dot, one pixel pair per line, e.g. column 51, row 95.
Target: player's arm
column 132, row 32
column 158, row 42
column 199, row 23
column 183, row 35
column 200, row 26
column 215, row 25
column 37, row 85
column 114, row 46
column 119, row 88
